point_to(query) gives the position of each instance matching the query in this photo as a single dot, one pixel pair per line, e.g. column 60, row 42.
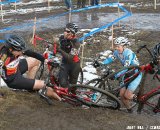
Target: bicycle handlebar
column 141, row 47
column 151, row 54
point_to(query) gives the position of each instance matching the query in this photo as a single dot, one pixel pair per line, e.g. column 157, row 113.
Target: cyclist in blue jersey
column 127, row 57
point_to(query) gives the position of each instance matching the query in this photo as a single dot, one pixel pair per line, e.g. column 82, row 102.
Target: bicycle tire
column 80, row 77
column 94, row 82
column 104, row 99
column 40, row 71
column 113, row 86
column 149, row 104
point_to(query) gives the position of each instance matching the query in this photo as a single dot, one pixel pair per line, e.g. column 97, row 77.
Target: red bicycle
column 76, row 94
column 148, row 102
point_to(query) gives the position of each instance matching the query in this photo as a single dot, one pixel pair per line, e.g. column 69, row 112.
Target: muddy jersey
column 69, row 49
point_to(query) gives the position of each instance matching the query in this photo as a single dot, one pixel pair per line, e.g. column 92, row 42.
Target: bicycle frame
column 69, row 97
column 143, row 97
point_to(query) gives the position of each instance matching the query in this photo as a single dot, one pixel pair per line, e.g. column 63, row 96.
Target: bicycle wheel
column 95, row 97
column 110, row 85
column 151, row 105
column 113, row 86
column 80, row 77
column 94, row 82
column 40, row 71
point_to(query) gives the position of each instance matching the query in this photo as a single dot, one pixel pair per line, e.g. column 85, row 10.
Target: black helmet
column 15, row 42
column 72, row 27
column 156, row 50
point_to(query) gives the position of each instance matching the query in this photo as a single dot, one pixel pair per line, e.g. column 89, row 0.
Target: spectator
column 94, row 2
column 68, row 4
column 81, row 3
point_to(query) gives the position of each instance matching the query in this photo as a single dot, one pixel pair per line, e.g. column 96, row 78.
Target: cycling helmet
column 15, row 42
column 121, row 41
column 156, row 50
column 72, row 27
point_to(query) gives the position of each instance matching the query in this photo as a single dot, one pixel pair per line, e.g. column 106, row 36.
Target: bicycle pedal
column 47, row 99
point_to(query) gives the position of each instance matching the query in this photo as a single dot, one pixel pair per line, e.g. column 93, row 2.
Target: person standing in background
column 68, row 4
column 81, row 3
column 94, row 2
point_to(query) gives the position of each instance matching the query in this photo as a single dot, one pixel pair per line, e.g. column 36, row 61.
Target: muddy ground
column 26, row 111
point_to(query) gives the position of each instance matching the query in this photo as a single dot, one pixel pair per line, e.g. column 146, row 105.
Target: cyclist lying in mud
column 14, row 66
column 127, row 57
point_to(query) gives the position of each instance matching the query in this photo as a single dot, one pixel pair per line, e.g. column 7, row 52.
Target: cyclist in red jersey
column 69, row 48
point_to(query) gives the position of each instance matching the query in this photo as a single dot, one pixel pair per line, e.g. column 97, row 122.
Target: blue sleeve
column 110, row 59
column 107, row 61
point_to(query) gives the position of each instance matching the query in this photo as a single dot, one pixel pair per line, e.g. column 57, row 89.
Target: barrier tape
column 74, row 11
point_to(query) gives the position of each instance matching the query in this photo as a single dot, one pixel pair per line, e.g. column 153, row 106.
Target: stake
column 34, row 30
column 82, row 45
column 118, row 14
column 100, row 2
column 49, row 6
column 82, row 53
column 1, row 11
column 15, row 5
column 89, row 2
column 112, row 36
column 70, row 15
column 155, row 3
column 131, row 19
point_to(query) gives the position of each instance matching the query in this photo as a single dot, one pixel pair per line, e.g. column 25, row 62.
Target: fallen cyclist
column 14, row 66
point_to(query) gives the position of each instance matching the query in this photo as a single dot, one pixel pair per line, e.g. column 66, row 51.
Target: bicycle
column 148, row 102
column 79, row 94
column 104, row 72
column 82, row 94
column 49, row 55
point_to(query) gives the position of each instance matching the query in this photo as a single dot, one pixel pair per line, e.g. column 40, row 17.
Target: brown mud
column 26, row 111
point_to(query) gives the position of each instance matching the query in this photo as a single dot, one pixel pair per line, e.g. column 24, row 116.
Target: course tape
column 107, row 25
column 74, row 11
column 8, row 2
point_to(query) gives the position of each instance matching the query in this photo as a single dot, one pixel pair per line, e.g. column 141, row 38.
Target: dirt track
column 25, row 111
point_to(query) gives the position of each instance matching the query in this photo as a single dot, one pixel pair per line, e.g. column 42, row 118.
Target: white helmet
column 121, row 41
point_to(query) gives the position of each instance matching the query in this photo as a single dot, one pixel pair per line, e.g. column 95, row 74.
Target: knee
column 36, row 62
column 128, row 95
column 32, row 62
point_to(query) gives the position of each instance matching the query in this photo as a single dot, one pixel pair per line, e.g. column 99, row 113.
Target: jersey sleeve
column 35, row 55
column 110, row 59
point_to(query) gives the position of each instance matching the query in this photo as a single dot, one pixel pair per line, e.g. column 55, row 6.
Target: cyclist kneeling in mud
column 127, row 57
column 69, row 49
column 14, row 66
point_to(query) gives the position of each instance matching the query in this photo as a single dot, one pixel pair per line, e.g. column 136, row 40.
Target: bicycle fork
column 157, row 108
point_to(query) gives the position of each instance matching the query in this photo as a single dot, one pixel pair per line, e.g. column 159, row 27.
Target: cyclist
column 127, row 57
column 14, row 66
column 69, row 49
